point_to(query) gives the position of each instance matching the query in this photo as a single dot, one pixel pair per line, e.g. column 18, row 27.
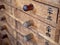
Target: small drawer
column 10, row 20
column 12, row 39
column 35, row 24
column 27, row 39
column 10, row 30
column 38, row 10
column 22, row 40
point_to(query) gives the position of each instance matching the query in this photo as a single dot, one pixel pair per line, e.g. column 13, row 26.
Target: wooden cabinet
column 31, row 17
column 47, row 12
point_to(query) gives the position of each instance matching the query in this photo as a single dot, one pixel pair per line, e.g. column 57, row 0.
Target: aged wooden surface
column 39, row 19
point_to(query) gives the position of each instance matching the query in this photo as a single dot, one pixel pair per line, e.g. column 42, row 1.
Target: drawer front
column 37, row 40
column 40, row 10
column 10, row 30
column 20, row 29
column 36, row 24
column 10, row 20
column 24, row 31
column 12, row 39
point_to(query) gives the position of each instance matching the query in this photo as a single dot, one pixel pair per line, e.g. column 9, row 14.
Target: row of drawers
column 39, row 10
column 37, row 25
column 24, row 31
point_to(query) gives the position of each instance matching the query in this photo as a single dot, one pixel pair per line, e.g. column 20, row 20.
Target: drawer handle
column 2, row 7
column 3, row 18
column 29, row 37
column 47, row 34
column 28, row 7
column 3, row 28
column 4, row 36
column 28, row 23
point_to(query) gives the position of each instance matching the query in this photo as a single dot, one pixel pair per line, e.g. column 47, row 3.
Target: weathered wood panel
column 42, row 18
